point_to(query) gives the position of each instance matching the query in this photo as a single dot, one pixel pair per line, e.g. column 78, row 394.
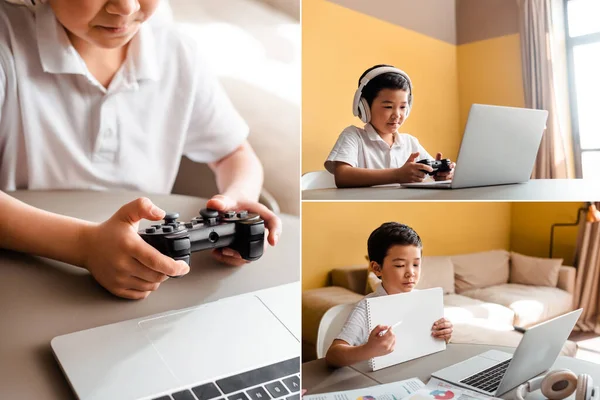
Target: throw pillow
column 535, row 271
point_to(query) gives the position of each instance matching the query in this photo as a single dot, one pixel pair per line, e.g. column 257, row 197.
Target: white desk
column 318, row 378
column 534, row 190
column 40, row 298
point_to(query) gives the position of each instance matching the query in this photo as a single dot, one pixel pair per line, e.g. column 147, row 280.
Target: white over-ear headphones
column 360, row 106
column 560, row 384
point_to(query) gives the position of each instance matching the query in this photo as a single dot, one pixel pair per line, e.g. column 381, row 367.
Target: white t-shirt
column 356, row 329
column 364, row 148
column 60, row 128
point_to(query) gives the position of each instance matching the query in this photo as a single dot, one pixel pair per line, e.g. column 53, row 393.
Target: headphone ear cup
column 584, row 387
column 407, row 111
column 363, row 111
column 552, row 389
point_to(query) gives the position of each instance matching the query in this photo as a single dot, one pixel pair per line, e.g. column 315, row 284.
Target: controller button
column 157, row 226
column 213, row 237
column 242, row 214
column 229, row 214
column 257, row 229
column 181, row 244
column 167, row 229
column 209, row 213
column 189, row 225
column 150, row 230
column 171, row 217
column 212, row 221
column 256, row 248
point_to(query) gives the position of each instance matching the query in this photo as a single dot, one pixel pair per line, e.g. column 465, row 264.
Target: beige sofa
column 484, row 295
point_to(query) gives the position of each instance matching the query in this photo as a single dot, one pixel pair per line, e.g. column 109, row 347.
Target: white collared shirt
column 356, row 329
column 60, row 128
column 364, row 148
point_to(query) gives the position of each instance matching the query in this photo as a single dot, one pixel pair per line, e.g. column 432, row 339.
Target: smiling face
column 401, row 268
column 388, row 110
column 108, row 24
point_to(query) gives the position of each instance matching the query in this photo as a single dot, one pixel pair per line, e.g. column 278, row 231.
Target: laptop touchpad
column 220, row 339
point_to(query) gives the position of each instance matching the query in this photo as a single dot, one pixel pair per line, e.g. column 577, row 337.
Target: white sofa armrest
column 566, row 279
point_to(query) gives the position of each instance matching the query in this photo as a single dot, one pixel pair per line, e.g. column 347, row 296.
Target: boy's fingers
column 413, row 157
column 422, row 167
column 438, row 156
column 141, row 208
column 272, row 221
column 142, row 272
column 155, row 260
column 222, row 203
column 221, row 256
column 379, row 328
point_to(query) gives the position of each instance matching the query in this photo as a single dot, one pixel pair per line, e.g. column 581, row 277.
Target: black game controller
column 241, row 231
column 437, row 165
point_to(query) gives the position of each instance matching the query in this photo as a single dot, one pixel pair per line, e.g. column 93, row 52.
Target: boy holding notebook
column 395, row 257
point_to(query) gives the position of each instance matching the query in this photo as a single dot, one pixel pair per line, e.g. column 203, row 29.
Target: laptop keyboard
column 276, row 381
column 488, row 379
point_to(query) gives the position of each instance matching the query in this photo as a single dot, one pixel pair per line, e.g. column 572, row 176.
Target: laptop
column 494, row 373
column 246, row 345
column 499, row 147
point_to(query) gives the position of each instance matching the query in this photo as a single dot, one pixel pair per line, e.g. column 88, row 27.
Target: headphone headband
column 368, row 77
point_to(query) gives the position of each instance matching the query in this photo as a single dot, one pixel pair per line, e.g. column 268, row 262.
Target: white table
column 41, row 299
column 318, row 378
column 534, row 190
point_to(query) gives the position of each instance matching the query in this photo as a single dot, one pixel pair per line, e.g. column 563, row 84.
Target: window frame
column 571, row 43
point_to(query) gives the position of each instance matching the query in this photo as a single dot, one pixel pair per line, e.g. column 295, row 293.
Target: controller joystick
column 437, row 165
column 241, row 231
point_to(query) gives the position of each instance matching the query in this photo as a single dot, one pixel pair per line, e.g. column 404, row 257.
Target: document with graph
column 389, row 391
column 411, row 316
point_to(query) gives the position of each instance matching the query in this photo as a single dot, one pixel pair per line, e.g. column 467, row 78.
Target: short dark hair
column 389, row 80
column 390, row 234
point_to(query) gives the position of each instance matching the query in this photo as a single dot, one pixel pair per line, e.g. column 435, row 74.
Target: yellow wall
column 335, row 234
column 489, row 72
column 530, row 229
column 338, row 44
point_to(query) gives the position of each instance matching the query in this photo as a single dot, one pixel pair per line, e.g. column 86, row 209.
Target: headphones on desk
column 360, row 106
column 560, row 384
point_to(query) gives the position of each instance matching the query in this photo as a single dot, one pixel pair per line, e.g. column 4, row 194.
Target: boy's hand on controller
column 442, row 329
column 444, row 176
column 120, row 260
column 381, row 345
column 272, row 225
column 411, row 171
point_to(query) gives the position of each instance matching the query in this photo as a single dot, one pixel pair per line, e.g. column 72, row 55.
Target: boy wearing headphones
column 377, row 154
column 395, row 257
column 92, row 96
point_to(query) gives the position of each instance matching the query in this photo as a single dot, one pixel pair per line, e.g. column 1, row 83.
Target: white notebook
column 417, row 310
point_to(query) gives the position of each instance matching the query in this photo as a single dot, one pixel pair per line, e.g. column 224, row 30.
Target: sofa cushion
column 482, row 332
column 480, row 270
column 535, row 271
column 437, row 271
column 353, row 278
column 315, row 302
column 531, row 304
column 459, row 309
column 372, row 282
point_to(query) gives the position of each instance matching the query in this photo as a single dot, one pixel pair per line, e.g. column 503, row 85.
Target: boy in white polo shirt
column 377, row 154
column 395, row 257
column 92, row 96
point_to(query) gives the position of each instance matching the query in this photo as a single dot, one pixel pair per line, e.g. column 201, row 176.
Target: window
column 583, row 51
